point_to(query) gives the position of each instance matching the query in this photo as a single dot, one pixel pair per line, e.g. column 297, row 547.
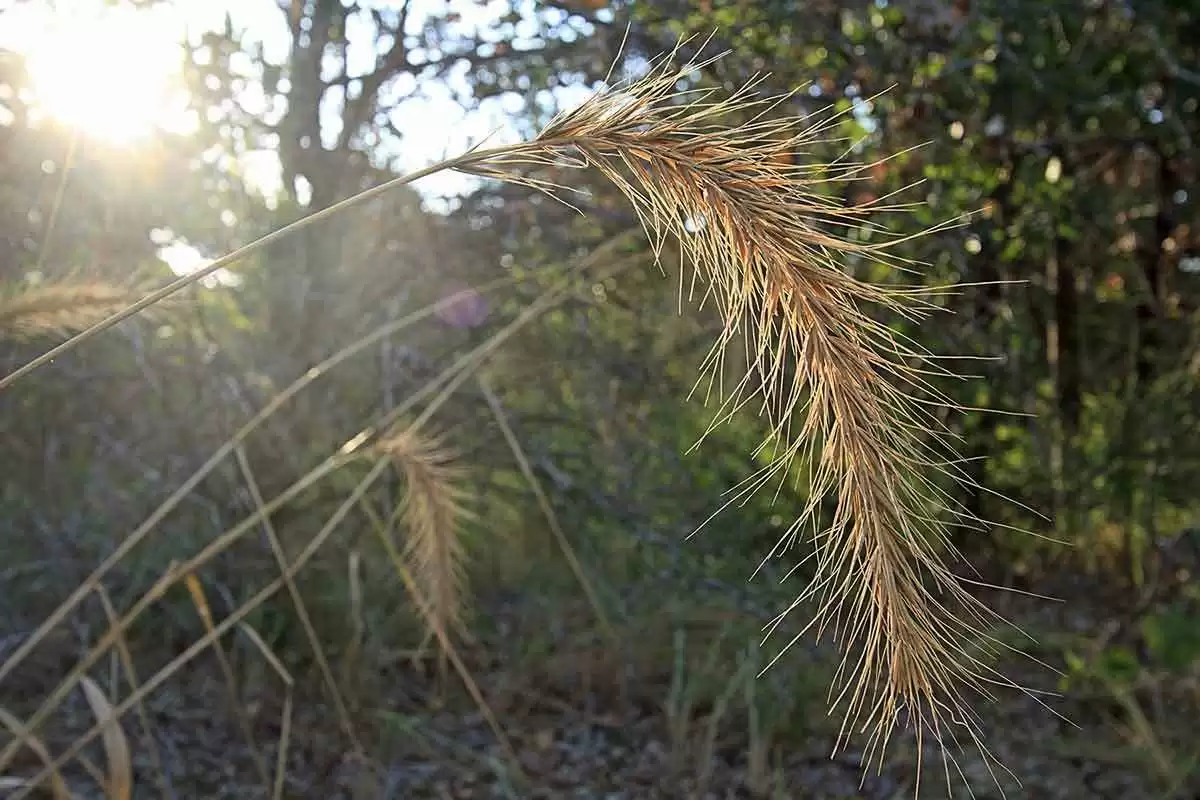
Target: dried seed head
column 841, row 391
column 58, row 308
column 434, row 511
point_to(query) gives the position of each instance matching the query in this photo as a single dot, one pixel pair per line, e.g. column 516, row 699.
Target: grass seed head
column 842, row 392
column 31, row 312
column 434, row 511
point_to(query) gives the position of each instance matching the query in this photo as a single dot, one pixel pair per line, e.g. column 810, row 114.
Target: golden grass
column 119, row 781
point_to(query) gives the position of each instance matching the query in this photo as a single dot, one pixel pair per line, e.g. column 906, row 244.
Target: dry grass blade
column 433, row 510
column 352, row 657
column 547, row 510
column 56, row 309
column 58, row 786
column 285, row 722
column 305, row 618
column 116, row 747
column 132, row 677
column 200, row 601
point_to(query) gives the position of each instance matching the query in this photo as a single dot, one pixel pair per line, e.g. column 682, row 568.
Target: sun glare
column 111, row 72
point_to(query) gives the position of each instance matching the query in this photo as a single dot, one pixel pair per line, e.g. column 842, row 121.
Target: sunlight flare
column 112, row 72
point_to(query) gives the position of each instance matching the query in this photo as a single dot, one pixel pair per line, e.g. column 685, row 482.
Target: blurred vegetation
column 1066, row 129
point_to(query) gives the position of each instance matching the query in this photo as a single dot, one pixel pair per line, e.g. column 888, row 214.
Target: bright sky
column 130, row 86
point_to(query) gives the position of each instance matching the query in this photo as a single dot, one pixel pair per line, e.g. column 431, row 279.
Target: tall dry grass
column 842, row 394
